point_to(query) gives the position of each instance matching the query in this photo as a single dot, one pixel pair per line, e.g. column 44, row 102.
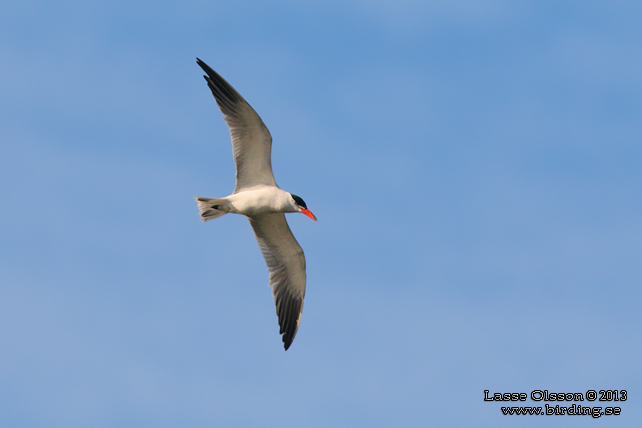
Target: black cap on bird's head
column 303, row 208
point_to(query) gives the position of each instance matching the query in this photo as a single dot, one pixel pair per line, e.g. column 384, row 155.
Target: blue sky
column 475, row 168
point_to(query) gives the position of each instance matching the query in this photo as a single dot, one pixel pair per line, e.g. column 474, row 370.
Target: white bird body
column 257, row 196
column 260, row 200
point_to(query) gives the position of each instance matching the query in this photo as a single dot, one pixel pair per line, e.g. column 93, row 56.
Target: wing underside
column 286, row 263
column 251, row 140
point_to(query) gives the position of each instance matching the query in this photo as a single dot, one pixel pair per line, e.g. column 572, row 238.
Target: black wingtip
column 287, row 343
column 206, row 68
column 288, row 335
column 226, row 96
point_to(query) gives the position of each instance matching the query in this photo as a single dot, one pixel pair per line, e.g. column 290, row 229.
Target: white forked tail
column 209, row 208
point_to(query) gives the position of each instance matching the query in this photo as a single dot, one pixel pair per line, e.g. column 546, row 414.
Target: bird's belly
column 258, row 202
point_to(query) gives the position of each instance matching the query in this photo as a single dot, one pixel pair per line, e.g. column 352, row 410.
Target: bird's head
column 302, row 207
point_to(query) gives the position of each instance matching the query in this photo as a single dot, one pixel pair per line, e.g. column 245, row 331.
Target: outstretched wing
column 286, row 263
column 251, row 140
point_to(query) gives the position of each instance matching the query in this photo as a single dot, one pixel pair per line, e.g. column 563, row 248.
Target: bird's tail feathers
column 209, row 208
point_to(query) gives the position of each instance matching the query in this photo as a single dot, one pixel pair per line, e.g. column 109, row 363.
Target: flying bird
column 257, row 196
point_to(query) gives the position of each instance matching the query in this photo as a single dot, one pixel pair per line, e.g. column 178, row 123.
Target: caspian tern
column 257, row 196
